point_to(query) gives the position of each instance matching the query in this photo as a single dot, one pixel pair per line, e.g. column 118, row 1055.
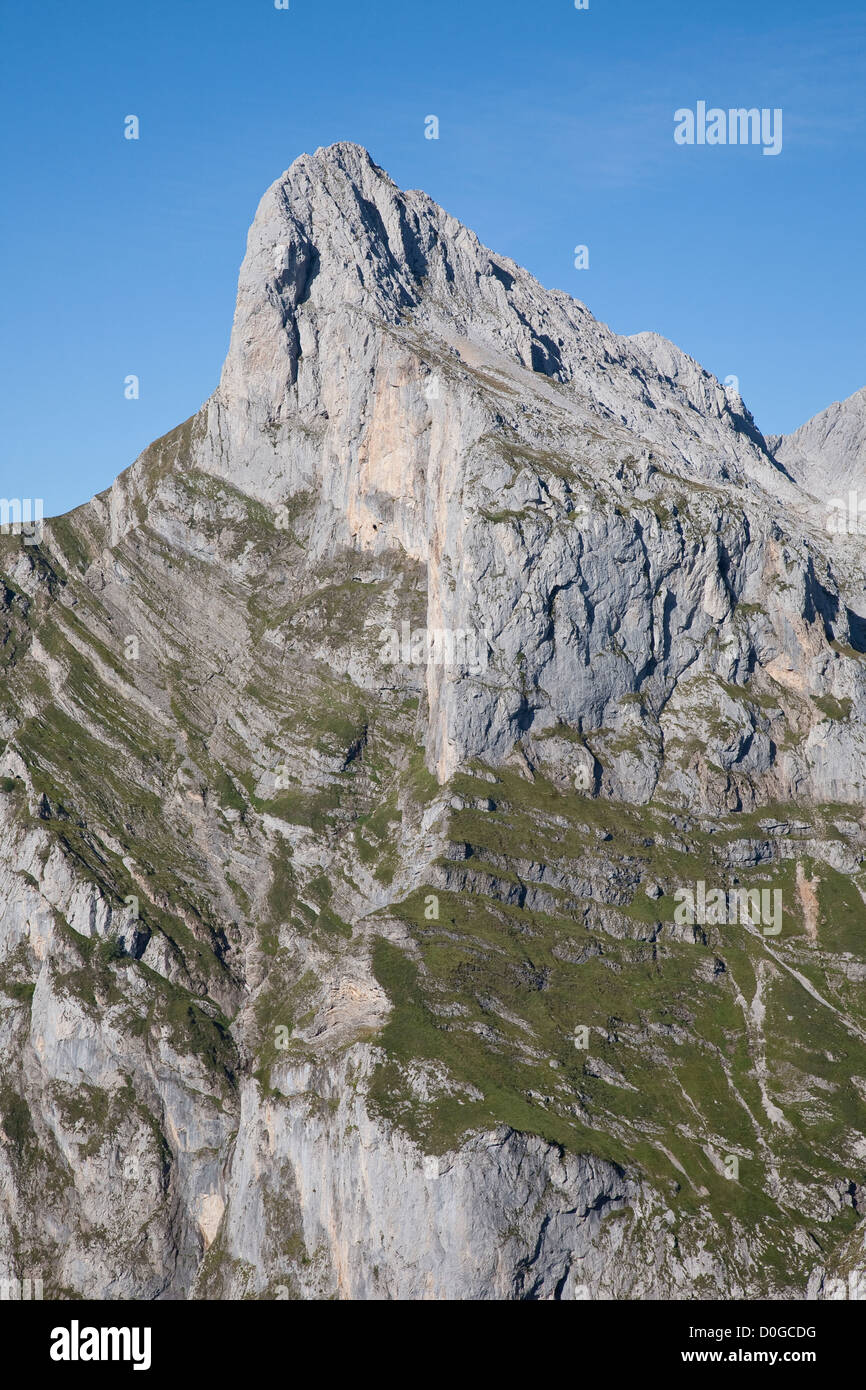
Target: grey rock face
column 355, row 745
column 463, row 1225
column 827, row 455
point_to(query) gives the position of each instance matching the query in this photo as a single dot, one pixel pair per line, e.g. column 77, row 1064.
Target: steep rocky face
column 359, row 745
column 827, row 455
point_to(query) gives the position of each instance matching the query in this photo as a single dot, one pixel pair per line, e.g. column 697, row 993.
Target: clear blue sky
column 556, row 128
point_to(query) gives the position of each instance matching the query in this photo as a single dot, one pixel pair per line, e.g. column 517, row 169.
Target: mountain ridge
column 828, row 452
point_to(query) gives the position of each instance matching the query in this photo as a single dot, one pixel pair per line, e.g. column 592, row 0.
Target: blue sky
column 556, row 129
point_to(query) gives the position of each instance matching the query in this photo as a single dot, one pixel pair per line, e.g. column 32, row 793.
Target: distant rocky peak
column 827, row 455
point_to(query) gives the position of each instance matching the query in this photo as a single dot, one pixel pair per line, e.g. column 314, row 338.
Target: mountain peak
column 335, row 239
column 827, row 454
column 345, row 154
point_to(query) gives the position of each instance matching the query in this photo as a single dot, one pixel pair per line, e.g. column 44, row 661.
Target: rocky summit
column 432, row 816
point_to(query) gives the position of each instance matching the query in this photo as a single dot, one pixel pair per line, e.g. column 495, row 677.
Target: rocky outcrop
column 827, row 455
